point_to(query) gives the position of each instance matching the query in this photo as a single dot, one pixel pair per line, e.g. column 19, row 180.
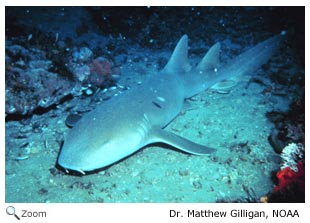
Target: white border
column 142, row 212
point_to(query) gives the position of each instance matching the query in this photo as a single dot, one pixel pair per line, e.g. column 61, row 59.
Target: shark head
column 95, row 143
column 82, row 157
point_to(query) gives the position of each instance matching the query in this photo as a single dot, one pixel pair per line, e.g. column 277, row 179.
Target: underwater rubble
column 30, row 82
column 36, row 81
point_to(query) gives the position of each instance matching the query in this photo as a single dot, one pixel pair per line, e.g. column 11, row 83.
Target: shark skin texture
column 126, row 123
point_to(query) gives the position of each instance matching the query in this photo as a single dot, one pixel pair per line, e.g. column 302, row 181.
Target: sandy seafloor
column 156, row 174
column 234, row 123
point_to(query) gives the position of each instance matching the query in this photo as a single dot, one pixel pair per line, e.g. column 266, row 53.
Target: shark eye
column 156, row 104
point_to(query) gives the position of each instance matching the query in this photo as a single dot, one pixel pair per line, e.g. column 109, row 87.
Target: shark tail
column 249, row 61
column 210, row 74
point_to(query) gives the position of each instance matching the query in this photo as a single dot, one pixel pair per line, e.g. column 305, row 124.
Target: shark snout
column 67, row 166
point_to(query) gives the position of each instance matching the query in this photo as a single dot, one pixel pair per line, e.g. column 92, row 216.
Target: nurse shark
column 130, row 121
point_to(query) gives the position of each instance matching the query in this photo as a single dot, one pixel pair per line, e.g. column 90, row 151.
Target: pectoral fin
column 159, row 135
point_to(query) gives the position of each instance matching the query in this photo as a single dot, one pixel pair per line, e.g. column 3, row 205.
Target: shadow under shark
column 124, row 124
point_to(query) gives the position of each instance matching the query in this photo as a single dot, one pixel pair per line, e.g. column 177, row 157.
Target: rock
column 275, row 142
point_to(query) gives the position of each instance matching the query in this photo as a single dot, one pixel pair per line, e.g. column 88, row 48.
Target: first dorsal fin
column 178, row 62
column 211, row 59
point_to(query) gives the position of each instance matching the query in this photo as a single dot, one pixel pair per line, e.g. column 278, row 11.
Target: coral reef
column 291, row 155
column 291, row 186
column 288, row 176
column 102, row 72
column 92, row 73
column 291, row 177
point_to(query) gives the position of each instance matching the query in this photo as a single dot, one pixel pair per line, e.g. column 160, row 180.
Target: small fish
column 56, row 37
column 29, row 37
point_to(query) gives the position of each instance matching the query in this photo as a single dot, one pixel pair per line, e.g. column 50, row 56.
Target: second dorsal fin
column 211, row 59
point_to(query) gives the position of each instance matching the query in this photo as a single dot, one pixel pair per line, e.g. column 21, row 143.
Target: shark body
column 136, row 118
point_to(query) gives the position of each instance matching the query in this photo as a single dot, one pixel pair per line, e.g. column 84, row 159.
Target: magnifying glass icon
column 10, row 210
